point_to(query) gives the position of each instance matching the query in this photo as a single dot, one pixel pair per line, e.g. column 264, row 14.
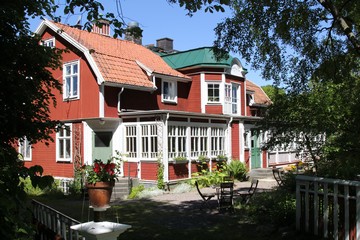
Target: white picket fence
column 328, row 208
column 50, row 222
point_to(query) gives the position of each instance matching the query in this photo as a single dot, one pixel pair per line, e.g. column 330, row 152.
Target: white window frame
column 69, row 78
column 177, row 141
column 235, row 100
column 63, row 139
column 141, row 140
column 247, row 134
column 214, row 89
column 25, row 149
column 149, row 141
column 130, row 140
column 49, row 42
column 217, row 136
column 250, row 98
column 171, row 96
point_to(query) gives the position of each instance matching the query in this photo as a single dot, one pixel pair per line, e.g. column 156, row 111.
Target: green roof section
column 195, row 57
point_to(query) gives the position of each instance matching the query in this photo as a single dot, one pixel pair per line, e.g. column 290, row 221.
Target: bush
column 135, row 191
column 277, row 207
column 237, row 169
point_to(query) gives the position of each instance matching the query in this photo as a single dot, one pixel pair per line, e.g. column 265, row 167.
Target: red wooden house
column 121, row 96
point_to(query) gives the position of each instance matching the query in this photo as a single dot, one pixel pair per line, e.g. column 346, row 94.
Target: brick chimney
column 104, row 29
column 165, row 44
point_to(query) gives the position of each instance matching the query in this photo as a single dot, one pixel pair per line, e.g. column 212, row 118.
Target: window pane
column 75, row 69
column 75, row 86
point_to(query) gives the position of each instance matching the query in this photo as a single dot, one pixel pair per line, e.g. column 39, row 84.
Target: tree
column 28, row 91
column 272, row 91
column 311, row 49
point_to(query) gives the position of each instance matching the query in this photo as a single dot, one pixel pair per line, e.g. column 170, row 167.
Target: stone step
column 261, row 173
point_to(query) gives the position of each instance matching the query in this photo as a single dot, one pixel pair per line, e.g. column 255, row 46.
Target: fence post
column 298, row 206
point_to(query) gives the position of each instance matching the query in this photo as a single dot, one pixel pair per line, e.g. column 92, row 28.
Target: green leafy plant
column 100, row 172
column 160, row 174
column 135, row 191
column 236, row 169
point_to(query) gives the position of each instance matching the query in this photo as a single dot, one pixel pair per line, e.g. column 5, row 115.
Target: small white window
column 213, row 92
column 169, row 91
column 250, row 98
column 246, row 138
column 25, row 149
column 49, row 43
column 64, row 144
column 71, row 80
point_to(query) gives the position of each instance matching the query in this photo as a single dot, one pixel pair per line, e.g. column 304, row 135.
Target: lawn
column 158, row 220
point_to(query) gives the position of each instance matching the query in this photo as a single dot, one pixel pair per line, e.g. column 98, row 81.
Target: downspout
column 118, row 104
column 230, row 137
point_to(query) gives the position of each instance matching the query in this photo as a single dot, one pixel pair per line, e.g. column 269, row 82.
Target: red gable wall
column 88, row 104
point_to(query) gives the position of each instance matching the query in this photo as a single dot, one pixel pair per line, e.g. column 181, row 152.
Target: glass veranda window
column 213, row 92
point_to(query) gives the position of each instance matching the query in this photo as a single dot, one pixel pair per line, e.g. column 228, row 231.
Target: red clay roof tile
column 116, row 58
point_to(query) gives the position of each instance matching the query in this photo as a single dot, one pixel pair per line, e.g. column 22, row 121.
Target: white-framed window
column 149, row 141
column 198, row 139
column 25, row 149
column 250, row 99
column 49, row 42
column 64, row 143
column 213, row 90
column 169, row 91
column 176, row 141
column 247, row 134
column 235, row 98
column 141, row 140
column 130, row 141
column 217, row 141
column 71, row 84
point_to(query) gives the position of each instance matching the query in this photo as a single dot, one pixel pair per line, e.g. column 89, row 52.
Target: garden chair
column 278, row 175
column 246, row 195
column 225, row 194
column 205, row 196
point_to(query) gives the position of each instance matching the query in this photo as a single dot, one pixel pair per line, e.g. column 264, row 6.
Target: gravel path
column 178, row 198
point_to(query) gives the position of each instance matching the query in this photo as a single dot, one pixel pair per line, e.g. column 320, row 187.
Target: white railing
column 48, row 218
column 329, row 208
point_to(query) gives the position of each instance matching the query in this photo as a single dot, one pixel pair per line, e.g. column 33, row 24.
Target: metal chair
column 278, row 175
column 205, row 196
column 225, row 195
column 246, row 195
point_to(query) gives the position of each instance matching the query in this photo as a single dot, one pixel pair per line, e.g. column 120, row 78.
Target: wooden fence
column 51, row 222
column 328, row 208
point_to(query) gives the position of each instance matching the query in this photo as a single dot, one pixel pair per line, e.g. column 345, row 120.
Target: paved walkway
column 179, row 198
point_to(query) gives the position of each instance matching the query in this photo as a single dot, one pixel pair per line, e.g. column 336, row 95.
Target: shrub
column 135, row 191
column 182, row 188
column 237, row 169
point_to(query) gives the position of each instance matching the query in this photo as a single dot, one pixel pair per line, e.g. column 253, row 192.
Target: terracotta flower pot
column 100, row 194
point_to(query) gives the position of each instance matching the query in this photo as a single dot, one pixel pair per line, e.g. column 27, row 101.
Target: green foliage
column 101, row 172
column 272, row 91
column 205, row 178
column 277, row 207
column 237, row 169
column 135, row 191
column 160, row 174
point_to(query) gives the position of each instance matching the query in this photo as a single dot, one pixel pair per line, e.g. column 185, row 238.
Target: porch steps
column 261, row 173
column 121, row 189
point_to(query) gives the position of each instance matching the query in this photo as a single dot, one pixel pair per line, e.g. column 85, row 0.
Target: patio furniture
column 225, row 194
column 228, row 179
column 246, row 195
column 205, row 196
column 278, row 175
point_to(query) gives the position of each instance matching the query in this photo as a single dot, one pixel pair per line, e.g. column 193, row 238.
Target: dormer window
column 49, row 43
column 169, row 91
column 250, row 100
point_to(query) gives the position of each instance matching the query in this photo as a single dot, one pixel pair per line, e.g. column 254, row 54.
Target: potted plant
column 100, row 180
column 180, row 160
column 203, row 159
column 221, row 158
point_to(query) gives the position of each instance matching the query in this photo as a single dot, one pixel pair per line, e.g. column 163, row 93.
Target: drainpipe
column 230, row 137
column 119, row 94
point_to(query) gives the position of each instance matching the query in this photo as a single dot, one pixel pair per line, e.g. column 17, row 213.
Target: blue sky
column 159, row 19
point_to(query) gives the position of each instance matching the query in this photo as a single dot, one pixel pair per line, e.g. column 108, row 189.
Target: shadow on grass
column 161, row 220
